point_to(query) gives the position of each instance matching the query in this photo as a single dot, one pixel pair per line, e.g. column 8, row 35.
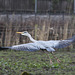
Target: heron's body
column 37, row 45
column 47, row 45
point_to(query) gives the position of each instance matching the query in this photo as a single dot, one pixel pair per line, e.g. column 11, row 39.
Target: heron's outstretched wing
column 24, row 47
column 63, row 43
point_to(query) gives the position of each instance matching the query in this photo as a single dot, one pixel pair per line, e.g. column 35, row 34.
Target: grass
column 36, row 63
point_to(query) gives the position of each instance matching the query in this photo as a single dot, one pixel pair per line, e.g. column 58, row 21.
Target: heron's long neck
column 31, row 38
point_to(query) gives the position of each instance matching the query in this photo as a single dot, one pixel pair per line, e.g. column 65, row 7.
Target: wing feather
column 63, row 43
column 49, row 49
column 26, row 47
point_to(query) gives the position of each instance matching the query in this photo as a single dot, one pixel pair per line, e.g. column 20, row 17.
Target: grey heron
column 49, row 46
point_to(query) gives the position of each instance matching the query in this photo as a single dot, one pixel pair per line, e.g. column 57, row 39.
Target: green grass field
column 36, row 63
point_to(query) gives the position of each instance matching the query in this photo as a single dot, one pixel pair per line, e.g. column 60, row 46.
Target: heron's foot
column 58, row 61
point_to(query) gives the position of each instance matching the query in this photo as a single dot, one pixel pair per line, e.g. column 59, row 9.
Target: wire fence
column 37, row 6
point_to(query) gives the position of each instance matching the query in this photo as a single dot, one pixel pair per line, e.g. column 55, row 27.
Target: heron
column 36, row 45
column 50, row 45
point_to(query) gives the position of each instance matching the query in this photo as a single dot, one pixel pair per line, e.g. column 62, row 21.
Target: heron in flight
column 49, row 46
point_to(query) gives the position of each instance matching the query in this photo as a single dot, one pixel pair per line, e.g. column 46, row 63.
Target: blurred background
column 43, row 19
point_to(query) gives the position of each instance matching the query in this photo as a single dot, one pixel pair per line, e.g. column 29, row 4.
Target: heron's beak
column 19, row 32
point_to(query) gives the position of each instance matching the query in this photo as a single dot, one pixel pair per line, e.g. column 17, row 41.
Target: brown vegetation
column 41, row 28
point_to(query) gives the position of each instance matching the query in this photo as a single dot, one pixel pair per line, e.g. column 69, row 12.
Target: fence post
column 35, row 10
column 35, row 6
column 74, row 7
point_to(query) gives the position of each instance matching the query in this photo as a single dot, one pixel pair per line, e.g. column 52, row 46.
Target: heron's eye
column 25, row 32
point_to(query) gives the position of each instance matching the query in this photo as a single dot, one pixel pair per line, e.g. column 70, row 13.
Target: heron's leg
column 55, row 57
column 49, row 58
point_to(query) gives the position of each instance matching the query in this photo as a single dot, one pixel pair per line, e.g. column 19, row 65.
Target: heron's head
column 23, row 33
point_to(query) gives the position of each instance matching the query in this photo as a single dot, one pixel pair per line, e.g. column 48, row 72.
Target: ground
column 37, row 63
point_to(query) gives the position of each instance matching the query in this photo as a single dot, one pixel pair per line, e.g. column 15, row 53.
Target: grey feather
column 63, row 43
column 50, row 49
column 26, row 47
